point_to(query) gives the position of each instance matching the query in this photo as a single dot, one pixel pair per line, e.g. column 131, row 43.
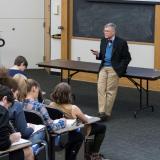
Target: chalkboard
column 129, row 1
column 135, row 22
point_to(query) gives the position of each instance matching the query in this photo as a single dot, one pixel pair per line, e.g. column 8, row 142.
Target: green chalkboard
column 135, row 22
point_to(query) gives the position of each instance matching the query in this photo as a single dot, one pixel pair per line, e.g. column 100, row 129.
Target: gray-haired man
column 115, row 57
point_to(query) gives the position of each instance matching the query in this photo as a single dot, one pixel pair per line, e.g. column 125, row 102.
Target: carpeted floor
column 126, row 138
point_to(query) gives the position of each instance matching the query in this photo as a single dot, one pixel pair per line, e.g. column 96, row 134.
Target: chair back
column 54, row 113
column 33, row 117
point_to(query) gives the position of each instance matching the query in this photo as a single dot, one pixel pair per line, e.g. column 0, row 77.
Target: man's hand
column 94, row 52
column 15, row 137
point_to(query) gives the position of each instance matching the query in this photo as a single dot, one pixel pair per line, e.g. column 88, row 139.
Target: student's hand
column 94, row 52
column 15, row 137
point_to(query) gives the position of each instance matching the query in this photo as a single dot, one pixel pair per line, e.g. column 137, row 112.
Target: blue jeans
column 38, row 136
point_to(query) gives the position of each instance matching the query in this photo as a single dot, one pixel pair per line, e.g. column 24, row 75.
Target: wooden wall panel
column 47, row 28
column 157, row 37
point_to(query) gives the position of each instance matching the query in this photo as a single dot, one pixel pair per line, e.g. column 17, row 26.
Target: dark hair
column 32, row 83
column 5, row 91
column 19, row 60
column 62, row 94
column 9, row 82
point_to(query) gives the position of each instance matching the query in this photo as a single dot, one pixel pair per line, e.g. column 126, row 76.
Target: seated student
column 62, row 100
column 31, row 103
column 17, row 117
column 20, row 64
column 21, row 80
column 16, row 112
column 6, row 137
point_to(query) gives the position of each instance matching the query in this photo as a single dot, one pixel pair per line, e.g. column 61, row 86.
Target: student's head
column 62, row 94
column 22, row 86
column 109, row 30
column 21, row 63
column 3, row 72
column 6, row 96
column 33, row 88
column 12, row 84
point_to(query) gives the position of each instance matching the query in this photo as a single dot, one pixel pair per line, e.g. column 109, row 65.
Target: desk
column 132, row 72
column 66, row 129
column 16, row 147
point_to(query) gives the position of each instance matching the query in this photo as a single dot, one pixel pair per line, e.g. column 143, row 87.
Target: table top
column 17, row 147
column 132, row 72
column 142, row 73
column 72, row 65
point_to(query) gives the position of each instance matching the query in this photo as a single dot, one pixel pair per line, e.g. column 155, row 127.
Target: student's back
column 16, row 115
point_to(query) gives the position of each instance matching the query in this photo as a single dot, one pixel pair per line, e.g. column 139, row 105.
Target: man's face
column 109, row 32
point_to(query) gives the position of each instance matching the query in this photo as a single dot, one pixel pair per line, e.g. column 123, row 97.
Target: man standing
column 115, row 57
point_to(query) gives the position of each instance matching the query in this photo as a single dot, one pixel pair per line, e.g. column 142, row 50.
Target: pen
column 12, row 127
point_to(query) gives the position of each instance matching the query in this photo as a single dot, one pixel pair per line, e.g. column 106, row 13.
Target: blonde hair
column 32, row 83
column 22, row 86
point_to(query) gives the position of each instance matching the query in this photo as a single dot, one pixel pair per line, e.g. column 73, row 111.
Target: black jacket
column 120, row 55
column 4, row 129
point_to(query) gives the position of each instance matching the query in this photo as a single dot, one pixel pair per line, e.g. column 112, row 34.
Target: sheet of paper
column 70, row 122
column 38, row 128
column 21, row 141
column 87, row 116
column 92, row 119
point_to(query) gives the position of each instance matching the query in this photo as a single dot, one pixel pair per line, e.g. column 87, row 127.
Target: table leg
column 61, row 75
column 141, row 107
column 68, row 78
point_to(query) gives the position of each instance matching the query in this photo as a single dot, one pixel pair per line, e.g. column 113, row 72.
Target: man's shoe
column 103, row 116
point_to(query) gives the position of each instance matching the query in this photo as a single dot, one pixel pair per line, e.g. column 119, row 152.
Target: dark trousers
column 98, row 130
column 75, row 141
column 16, row 155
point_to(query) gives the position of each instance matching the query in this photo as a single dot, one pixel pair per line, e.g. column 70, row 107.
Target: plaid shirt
column 52, row 125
